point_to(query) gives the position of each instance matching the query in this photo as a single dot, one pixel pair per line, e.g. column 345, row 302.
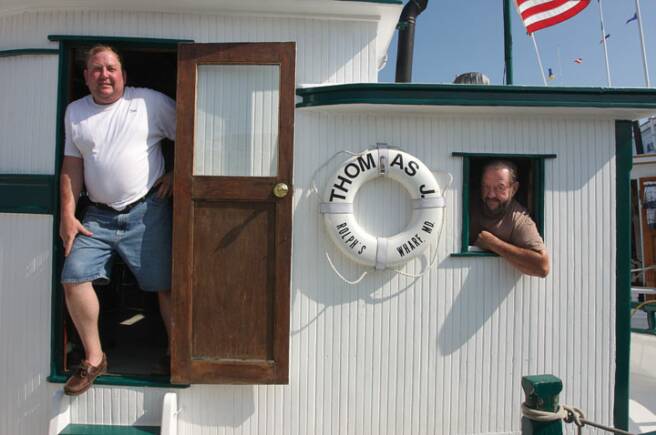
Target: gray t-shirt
column 515, row 226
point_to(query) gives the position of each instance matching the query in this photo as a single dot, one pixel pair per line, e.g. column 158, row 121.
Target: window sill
column 474, row 254
column 125, row 381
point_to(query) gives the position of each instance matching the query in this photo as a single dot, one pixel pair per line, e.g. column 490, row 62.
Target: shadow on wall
column 479, row 297
column 231, row 405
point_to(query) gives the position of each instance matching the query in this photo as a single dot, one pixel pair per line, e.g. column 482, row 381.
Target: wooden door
column 232, row 234
column 648, row 225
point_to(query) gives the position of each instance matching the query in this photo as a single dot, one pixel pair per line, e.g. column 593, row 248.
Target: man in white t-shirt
column 113, row 149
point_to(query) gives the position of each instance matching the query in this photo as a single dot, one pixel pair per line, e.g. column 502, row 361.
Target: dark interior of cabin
column 131, row 329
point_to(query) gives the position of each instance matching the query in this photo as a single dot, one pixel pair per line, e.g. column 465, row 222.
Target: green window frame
column 538, row 167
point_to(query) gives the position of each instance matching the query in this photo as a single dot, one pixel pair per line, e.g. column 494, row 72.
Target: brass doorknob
column 280, row 190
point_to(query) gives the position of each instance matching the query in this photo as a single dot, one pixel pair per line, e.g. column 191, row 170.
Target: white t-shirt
column 120, row 143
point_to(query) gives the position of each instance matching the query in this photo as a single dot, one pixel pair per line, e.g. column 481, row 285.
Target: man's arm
column 70, row 186
column 534, row 263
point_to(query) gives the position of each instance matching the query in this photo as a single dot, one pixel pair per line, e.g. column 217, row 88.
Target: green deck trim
column 94, row 429
column 153, row 381
column 31, row 194
column 117, row 40
column 28, row 52
column 623, row 164
column 476, row 95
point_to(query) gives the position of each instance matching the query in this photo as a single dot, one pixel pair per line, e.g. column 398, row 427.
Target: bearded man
column 501, row 225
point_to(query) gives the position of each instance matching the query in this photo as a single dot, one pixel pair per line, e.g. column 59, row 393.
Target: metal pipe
column 405, row 48
column 507, row 41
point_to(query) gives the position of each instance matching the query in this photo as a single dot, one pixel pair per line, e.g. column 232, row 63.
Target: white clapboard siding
column 25, row 283
column 28, row 109
column 328, row 51
column 236, row 132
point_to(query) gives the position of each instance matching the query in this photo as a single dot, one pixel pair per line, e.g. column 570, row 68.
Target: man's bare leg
column 84, row 309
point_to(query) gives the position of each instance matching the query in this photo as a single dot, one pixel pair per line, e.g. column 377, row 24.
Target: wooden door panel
column 231, row 235
column 232, row 311
column 232, row 188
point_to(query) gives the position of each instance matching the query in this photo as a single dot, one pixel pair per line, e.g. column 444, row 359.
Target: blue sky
column 456, row 36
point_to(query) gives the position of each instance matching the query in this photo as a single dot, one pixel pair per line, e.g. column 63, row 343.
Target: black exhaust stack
column 406, row 45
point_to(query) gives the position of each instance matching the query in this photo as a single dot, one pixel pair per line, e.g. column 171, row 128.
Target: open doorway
column 131, row 329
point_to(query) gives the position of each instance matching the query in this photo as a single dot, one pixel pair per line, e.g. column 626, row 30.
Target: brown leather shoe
column 82, row 379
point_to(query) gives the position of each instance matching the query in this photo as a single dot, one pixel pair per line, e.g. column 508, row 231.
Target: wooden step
column 97, row 429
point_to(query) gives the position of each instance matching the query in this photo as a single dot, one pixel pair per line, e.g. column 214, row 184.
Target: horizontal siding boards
column 328, row 51
column 28, row 110
column 25, row 283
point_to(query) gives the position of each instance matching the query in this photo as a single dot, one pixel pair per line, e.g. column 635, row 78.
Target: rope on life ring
column 383, row 252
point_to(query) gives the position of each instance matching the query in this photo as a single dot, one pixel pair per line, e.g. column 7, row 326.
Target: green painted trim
column 475, row 95
column 57, row 303
column 125, row 380
column 507, row 41
column 464, row 240
column 93, row 429
column 117, row 39
column 623, row 164
column 474, row 254
column 506, row 155
column 538, row 193
column 31, row 194
column 28, row 52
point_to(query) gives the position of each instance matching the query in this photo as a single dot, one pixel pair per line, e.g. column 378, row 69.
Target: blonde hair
column 99, row 48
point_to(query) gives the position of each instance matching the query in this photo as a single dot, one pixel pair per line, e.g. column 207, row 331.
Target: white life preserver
column 352, row 239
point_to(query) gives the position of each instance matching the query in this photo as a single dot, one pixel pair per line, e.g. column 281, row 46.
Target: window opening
column 131, row 329
column 531, row 173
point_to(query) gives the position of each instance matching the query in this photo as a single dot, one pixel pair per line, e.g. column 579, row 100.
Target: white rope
column 313, row 186
column 568, row 414
column 357, row 281
column 437, row 241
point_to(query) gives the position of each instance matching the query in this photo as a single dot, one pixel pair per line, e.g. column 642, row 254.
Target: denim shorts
column 141, row 236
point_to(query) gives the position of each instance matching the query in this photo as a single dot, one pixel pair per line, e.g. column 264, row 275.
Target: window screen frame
column 538, row 165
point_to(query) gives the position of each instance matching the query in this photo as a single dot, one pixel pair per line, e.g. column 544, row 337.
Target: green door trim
column 623, row 164
column 66, row 42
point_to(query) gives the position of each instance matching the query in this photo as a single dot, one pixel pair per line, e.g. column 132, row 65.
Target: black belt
column 127, row 207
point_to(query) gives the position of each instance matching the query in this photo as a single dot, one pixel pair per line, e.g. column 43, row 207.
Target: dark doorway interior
column 131, row 329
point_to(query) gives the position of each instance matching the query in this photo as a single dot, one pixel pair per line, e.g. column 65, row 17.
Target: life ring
column 352, row 239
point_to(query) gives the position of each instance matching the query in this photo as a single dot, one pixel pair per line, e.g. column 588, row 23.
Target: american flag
column 538, row 14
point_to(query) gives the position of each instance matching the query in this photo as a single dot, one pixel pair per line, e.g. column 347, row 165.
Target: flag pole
column 642, row 44
column 603, row 40
column 537, row 52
